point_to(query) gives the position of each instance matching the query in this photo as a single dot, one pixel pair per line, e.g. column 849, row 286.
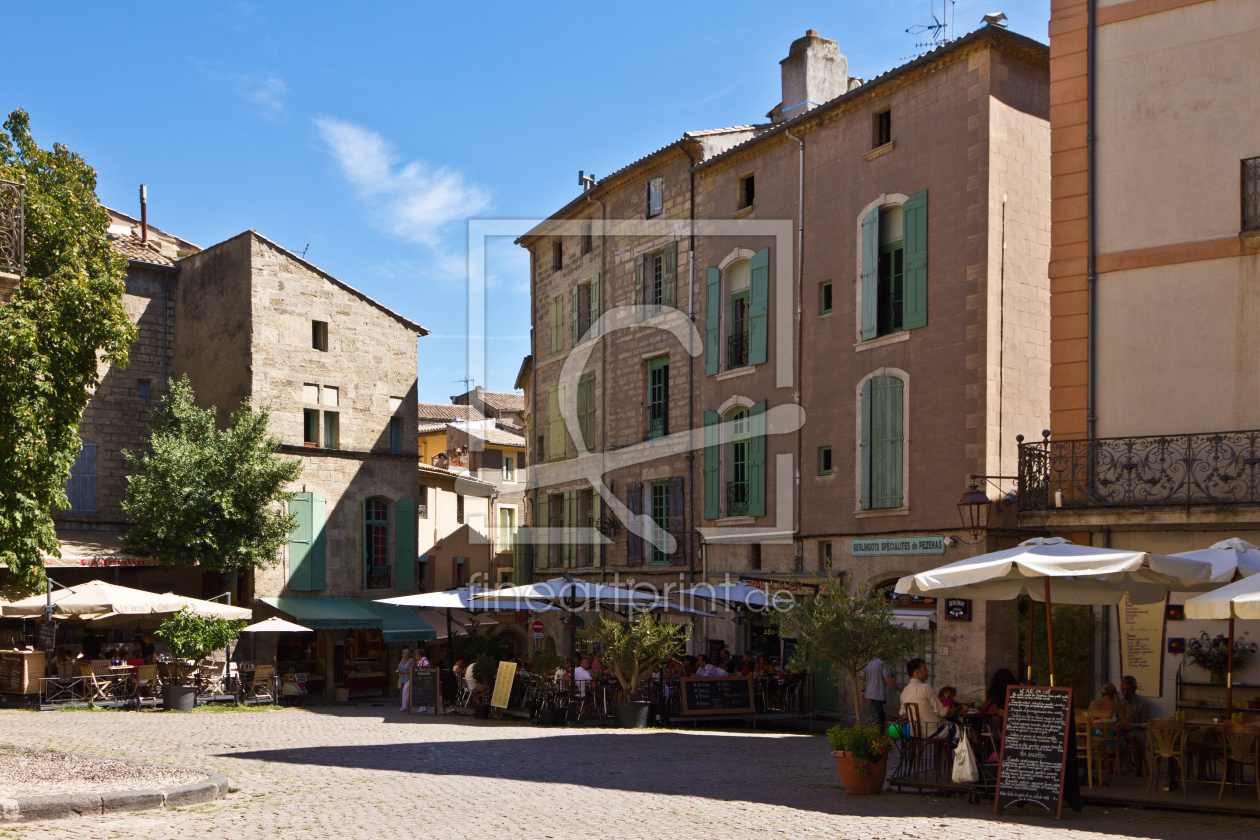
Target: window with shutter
column 890, row 289
column 376, row 543
column 712, row 465
column 669, row 295
column 870, row 274
column 81, row 488
column 659, row 499
column 557, row 324
column 640, row 285
column 542, row 521
column 677, row 523
column 555, row 422
column 655, row 197
column 586, row 409
column 757, row 459
column 737, row 470
column 759, row 306
column 634, row 542
column 405, row 543
column 593, row 310
column 555, row 512
column 300, row 543
column 882, row 443
column 894, row 268
column 712, row 320
column 658, row 397
column 915, row 223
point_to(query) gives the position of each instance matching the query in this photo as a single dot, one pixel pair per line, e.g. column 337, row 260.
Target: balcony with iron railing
column 658, row 420
column 737, row 351
column 1166, row 476
column 12, row 257
column 379, row 577
column 737, row 498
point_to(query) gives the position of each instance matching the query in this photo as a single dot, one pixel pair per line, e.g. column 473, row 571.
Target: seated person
column 948, row 697
column 704, row 668
column 1108, row 706
column 932, row 722
column 995, row 695
column 764, row 666
column 747, row 664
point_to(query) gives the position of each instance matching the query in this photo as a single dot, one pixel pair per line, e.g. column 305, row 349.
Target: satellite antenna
column 938, row 30
column 585, row 181
column 307, row 246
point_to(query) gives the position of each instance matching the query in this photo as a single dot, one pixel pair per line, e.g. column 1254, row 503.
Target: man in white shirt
column 932, row 722
column 706, row 669
column 582, row 675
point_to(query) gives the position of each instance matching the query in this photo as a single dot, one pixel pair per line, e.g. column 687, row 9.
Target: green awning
column 328, row 613
column 398, row 622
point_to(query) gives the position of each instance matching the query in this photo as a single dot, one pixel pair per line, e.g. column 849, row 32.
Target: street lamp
column 973, row 510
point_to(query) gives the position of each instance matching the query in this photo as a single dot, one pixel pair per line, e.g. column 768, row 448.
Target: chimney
column 813, row 73
column 144, row 213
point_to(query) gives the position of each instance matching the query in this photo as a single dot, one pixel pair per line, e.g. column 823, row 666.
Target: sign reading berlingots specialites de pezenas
column 882, row 546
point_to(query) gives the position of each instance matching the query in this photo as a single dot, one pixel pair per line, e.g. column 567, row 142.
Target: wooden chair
column 1241, row 749
column 213, row 678
column 93, row 688
column 1098, row 743
column 258, row 686
column 924, row 748
column 1165, row 741
column 100, row 667
column 144, row 682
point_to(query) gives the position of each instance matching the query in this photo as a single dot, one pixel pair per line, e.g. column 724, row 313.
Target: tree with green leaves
column 190, row 638
column 848, row 629
column 633, row 648
column 206, row 496
column 64, row 322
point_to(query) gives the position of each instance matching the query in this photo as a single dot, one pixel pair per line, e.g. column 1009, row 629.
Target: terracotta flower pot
column 857, row 783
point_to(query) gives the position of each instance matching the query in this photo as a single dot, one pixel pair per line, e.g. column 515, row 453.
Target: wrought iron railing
column 658, row 419
column 378, row 577
column 1221, row 468
column 11, row 217
column 737, row 351
column 737, row 498
column 1251, row 194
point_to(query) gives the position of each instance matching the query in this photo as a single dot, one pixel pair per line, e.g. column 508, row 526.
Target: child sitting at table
column 947, row 695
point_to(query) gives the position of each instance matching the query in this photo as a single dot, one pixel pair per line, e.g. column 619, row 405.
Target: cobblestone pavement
column 370, row 772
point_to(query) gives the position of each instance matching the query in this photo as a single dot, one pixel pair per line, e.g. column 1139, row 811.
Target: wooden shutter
column 870, row 274
column 757, row 459
column 758, row 305
column 865, row 446
column 669, row 294
column 887, row 442
column 677, row 523
column 557, row 326
column 570, row 528
column 300, row 544
column 555, row 399
column 639, row 286
column 586, row 409
column 712, row 465
column 574, row 307
column 405, row 543
column 594, row 314
column 634, row 542
column 914, row 220
column 601, row 513
column 542, row 521
column 319, row 543
column 712, row 321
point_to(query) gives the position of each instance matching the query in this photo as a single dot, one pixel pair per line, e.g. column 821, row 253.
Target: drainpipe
column 1091, row 276
column 800, row 340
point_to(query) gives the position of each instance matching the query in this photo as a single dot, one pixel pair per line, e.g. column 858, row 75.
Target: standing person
column 421, row 661
column 1138, row 710
column 878, row 679
column 404, row 679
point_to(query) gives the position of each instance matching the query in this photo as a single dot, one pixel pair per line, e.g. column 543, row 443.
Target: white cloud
column 268, row 95
column 413, row 200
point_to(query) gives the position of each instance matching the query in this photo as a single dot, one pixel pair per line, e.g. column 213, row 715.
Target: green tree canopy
column 849, row 629
column 633, row 648
column 65, row 319
column 207, row 496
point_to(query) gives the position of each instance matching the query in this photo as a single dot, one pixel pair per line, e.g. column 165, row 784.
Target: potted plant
column 190, row 638
column 861, row 754
column 848, row 629
column 1212, row 654
column 632, row 649
column 484, row 669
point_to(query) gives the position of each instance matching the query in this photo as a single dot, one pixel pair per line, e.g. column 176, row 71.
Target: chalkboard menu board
column 706, row 695
column 339, row 662
column 1035, row 748
column 44, row 639
column 424, row 689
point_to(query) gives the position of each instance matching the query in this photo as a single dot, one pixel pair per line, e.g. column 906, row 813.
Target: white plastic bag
column 965, row 771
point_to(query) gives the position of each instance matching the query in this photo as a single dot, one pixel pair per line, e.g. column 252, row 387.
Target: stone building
column 1155, row 253
column 498, row 405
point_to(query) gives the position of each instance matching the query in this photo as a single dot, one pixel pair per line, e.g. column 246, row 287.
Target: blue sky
column 382, row 128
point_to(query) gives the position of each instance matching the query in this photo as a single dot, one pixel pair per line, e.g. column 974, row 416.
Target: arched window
column 893, row 247
column 81, row 488
column 376, row 543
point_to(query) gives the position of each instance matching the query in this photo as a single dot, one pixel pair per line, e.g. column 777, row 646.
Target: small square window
column 310, row 427
column 883, row 129
column 143, row 388
column 824, row 298
column 319, row 335
column 509, row 468
column 655, row 197
column 587, row 238
column 557, row 255
column 824, row 460
column 747, row 191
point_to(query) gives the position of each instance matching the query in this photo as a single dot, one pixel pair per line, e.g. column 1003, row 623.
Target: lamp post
column 973, row 510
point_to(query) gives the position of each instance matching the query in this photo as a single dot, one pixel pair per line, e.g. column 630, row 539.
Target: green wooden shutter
column 639, row 279
column 405, row 543
column 574, row 299
column 634, row 542
column 915, row 243
column 712, row 321
column 677, row 520
column 570, row 528
column 870, row 274
column 542, row 521
column 712, row 463
column 757, row 459
column 670, row 292
column 758, row 305
column 887, row 442
column 319, row 543
column 865, row 446
column 586, row 409
column 595, row 306
column 300, row 544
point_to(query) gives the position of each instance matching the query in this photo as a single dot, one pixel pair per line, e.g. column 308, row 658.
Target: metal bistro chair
column 1165, row 741
column 1241, row 749
column 923, row 748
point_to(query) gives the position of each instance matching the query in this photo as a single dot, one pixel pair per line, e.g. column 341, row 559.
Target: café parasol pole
column 1049, row 631
column 1031, row 604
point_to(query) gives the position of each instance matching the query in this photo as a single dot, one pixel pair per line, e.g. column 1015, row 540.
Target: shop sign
column 885, row 546
column 958, row 609
column 767, row 585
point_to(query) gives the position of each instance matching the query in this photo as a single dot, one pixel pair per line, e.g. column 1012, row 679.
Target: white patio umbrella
column 1081, row 574
column 1229, row 558
column 99, row 601
column 733, row 595
column 1240, row 599
column 461, row 599
column 460, row 622
column 568, row 594
column 275, row 625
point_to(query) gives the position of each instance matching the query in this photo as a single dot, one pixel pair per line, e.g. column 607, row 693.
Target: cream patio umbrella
column 1230, row 559
column 97, row 598
column 1240, row 599
column 1081, row 574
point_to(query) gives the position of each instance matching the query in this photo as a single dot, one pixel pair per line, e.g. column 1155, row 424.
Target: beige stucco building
column 1154, row 262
